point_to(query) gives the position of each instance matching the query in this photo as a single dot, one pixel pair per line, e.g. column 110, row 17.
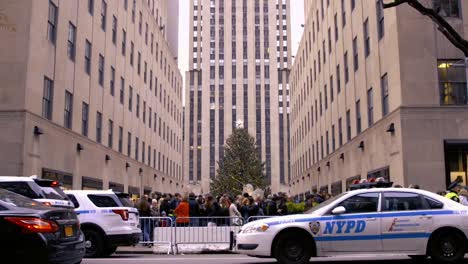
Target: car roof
column 391, row 189
column 89, row 191
column 15, row 178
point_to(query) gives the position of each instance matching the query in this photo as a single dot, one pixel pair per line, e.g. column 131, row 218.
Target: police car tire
column 456, row 241
column 294, row 239
column 97, row 243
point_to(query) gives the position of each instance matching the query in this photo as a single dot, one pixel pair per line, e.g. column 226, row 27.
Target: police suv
column 47, row 192
column 365, row 221
column 106, row 221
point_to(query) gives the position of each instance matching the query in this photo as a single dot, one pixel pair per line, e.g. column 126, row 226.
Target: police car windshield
column 325, row 203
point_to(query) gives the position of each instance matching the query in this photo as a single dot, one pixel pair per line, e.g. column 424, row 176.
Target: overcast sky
column 297, row 18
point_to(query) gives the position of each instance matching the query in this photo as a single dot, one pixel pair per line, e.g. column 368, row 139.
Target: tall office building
column 173, row 27
column 378, row 93
column 91, row 95
column 238, row 74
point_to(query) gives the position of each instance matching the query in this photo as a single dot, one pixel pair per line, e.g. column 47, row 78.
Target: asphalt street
column 237, row 259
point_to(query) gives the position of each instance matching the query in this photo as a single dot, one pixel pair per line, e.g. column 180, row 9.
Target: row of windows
column 320, row 151
column 167, row 134
column 71, row 48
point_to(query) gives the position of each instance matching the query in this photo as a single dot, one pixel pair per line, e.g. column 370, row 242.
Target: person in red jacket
column 182, row 212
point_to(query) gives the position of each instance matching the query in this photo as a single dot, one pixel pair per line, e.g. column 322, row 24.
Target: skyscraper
column 238, row 75
column 93, row 97
column 378, row 93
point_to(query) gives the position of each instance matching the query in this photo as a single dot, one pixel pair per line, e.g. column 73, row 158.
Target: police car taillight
column 122, row 212
column 47, row 203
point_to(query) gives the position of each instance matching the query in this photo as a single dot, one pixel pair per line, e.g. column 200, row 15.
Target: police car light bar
column 371, row 183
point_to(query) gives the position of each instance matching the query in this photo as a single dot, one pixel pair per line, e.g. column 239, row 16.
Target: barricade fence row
column 172, row 231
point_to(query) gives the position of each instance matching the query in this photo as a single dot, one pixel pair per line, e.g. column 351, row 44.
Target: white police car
column 106, row 221
column 47, row 192
column 368, row 221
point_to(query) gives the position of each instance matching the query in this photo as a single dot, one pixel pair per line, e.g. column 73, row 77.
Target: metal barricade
column 206, row 230
column 158, row 231
column 255, row 218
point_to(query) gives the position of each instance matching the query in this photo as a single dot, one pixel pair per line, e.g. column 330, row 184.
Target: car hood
column 284, row 219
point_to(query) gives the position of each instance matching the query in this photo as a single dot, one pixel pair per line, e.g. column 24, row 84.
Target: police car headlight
column 256, row 228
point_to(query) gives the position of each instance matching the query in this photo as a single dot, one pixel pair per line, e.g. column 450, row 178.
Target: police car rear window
column 103, row 200
column 433, row 204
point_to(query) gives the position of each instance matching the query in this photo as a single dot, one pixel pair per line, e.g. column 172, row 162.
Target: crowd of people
column 205, row 210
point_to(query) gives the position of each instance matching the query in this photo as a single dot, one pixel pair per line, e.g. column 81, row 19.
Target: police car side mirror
column 339, row 210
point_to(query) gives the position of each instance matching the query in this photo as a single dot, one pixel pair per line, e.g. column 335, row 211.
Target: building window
column 87, row 63
column 338, row 79
column 137, row 105
column 130, row 98
column 84, row 119
column 98, row 127
column 137, row 147
column 133, row 13
column 103, row 15
column 129, row 144
column 132, row 50
column 384, row 85
column 91, row 7
column 370, row 107
column 346, row 68
column 355, row 54
column 358, row 116
column 380, row 19
column 110, row 138
column 120, row 139
column 124, row 42
column 353, row 4
column 139, row 63
column 340, row 132
column 68, row 111
column 101, row 70
column 335, row 21
column 447, row 8
column 114, row 30
column 366, row 38
column 140, row 24
column 47, row 98
column 52, row 22
column 452, row 83
column 348, row 125
column 122, row 90
column 71, row 45
column 112, row 81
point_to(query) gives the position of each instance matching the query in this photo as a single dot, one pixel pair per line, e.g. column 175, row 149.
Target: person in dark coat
column 194, row 210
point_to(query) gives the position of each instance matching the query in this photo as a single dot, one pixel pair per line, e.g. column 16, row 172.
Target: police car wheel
column 448, row 247
column 293, row 248
column 94, row 243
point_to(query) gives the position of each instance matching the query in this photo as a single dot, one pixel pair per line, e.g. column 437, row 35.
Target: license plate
column 68, row 231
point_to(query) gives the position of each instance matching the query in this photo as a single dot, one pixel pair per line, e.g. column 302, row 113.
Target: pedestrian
column 144, row 210
column 454, row 188
column 234, row 214
column 194, row 210
column 182, row 212
column 463, row 196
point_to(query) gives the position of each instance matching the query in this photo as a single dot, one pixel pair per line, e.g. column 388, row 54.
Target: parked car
column 106, row 222
column 45, row 191
column 31, row 232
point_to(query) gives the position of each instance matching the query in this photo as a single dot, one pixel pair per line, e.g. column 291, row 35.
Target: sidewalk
column 183, row 249
column 137, row 249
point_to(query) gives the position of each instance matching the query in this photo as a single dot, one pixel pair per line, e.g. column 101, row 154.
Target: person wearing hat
column 454, row 189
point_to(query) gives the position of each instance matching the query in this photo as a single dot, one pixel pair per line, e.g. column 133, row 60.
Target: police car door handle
column 426, row 217
column 371, row 219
